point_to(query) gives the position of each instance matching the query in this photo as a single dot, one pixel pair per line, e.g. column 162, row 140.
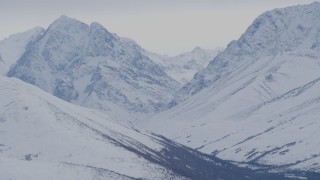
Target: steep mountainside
column 43, row 137
column 258, row 100
column 90, row 66
column 274, row 32
column 184, row 66
column 14, row 46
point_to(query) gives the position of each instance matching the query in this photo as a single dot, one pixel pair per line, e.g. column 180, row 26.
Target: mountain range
column 89, row 66
column 104, row 107
column 258, row 100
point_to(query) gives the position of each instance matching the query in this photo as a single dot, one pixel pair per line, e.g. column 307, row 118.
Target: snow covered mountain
column 14, row 46
column 44, row 137
column 184, row 66
column 89, row 66
column 274, row 32
column 258, row 100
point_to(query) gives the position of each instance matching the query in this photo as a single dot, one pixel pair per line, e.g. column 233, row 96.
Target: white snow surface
column 44, row 137
column 257, row 101
column 14, row 46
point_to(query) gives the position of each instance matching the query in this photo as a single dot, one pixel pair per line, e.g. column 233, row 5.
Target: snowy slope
column 257, row 101
column 39, row 130
column 14, row 46
column 87, row 65
column 184, row 66
column 43, row 137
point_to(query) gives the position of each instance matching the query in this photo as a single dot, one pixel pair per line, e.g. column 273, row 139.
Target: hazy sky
column 163, row 26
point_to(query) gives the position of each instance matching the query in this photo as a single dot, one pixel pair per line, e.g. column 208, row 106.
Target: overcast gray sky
column 162, row 26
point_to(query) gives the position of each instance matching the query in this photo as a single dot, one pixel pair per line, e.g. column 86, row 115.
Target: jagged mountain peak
column 90, row 66
column 67, row 24
column 63, row 19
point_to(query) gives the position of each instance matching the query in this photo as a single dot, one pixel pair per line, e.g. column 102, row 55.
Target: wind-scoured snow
column 257, row 101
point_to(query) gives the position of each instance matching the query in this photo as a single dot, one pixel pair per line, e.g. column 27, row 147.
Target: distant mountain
column 272, row 33
column 258, row 101
column 14, row 46
column 184, row 66
column 89, row 66
column 43, row 137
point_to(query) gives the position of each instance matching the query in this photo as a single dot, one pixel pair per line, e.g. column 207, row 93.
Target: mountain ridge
column 257, row 42
column 88, row 65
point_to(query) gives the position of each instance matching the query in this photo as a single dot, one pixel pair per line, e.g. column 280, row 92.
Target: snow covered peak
column 90, row 66
column 65, row 24
column 281, row 30
column 63, row 20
